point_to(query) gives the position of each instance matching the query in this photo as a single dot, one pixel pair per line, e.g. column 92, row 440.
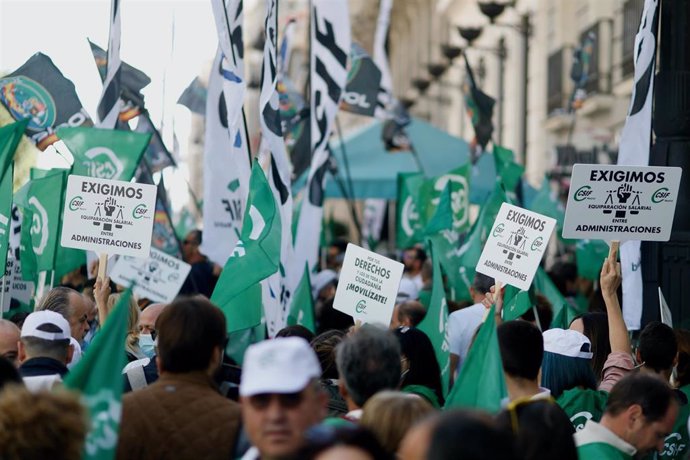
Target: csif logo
column 76, row 203
column 583, row 193
column 498, row 230
column 538, row 243
column 103, row 163
column 661, row 195
column 361, row 307
column 26, row 98
column 140, row 211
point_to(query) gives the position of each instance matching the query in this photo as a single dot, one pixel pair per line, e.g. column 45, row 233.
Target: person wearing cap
column 182, row 415
column 9, row 338
column 587, row 402
column 462, row 324
column 640, row 413
column 281, row 396
column 44, row 350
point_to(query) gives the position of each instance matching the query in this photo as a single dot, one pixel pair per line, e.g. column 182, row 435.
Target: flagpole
column 416, row 158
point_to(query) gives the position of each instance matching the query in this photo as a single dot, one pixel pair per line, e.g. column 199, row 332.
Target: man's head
column 522, row 349
column 45, row 334
column 9, row 336
column 336, row 254
column 190, row 245
column 411, row 313
column 368, row 362
column 73, row 306
column 148, row 317
column 191, row 336
column 413, row 259
column 658, row 348
column 480, row 286
column 641, row 410
column 280, row 394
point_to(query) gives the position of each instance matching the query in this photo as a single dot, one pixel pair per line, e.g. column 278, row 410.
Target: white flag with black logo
column 634, row 151
column 330, row 46
column 110, row 103
column 276, row 293
column 227, row 166
column 385, row 96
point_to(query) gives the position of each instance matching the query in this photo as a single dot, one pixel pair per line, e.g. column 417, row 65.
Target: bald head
column 9, row 336
column 148, row 317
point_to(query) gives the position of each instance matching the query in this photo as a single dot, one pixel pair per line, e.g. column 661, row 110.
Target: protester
column 541, row 429
column 350, row 442
column 203, row 274
column 413, row 258
column 143, row 372
column 522, row 350
column 44, row 350
column 148, row 317
column 43, row 425
column 427, row 282
column 75, row 308
column 182, row 415
column 281, row 396
column 407, row 290
column 336, row 254
column 470, row 436
column 421, row 374
column 463, row 323
column 640, row 413
column 368, row 362
column 677, row 443
column 408, row 314
column 566, row 362
column 544, row 313
column 595, row 327
column 579, row 401
column 390, row 414
column 9, row 337
column 324, row 346
column 324, row 286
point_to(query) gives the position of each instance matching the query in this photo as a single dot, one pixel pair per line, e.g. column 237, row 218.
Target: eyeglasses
column 286, row 400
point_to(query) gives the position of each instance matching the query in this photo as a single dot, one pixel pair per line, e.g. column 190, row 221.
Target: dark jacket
column 42, row 366
column 180, row 416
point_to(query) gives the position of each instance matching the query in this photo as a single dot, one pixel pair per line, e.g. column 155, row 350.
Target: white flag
column 330, row 46
column 276, row 293
column 227, row 167
column 110, row 103
column 634, row 151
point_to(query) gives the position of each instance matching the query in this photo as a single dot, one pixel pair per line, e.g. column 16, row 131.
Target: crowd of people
column 346, row 391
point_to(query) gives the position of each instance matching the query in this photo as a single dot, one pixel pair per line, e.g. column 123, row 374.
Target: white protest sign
column 515, row 246
column 158, row 277
column 619, row 203
column 15, row 287
column 108, row 216
column 367, row 286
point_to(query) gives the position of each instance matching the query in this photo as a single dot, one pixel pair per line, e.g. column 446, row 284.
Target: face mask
column 147, row 345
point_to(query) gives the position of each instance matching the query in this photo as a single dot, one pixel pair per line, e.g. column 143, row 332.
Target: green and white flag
column 409, row 217
column 302, row 304
column 516, row 302
column 98, row 376
column 104, row 153
column 481, row 383
column 10, row 135
column 507, row 170
column 257, row 253
column 435, row 323
column 43, row 198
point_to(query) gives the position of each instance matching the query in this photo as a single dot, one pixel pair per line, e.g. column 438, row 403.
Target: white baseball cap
column 47, row 325
column 283, row 365
column 567, row 342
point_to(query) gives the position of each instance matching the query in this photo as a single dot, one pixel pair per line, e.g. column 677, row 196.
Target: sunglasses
column 286, row 400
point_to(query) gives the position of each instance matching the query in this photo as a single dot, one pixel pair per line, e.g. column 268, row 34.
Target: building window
column 554, row 96
column 632, row 12
column 594, row 81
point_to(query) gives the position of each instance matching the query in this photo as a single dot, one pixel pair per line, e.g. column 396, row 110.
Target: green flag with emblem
column 98, row 377
column 516, row 302
column 443, row 216
column 410, row 221
column 481, row 383
column 10, row 135
column 302, row 304
column 257, row 253
column 546, row 202
column 104, row 153
column 43, row 198
column 435, row 322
